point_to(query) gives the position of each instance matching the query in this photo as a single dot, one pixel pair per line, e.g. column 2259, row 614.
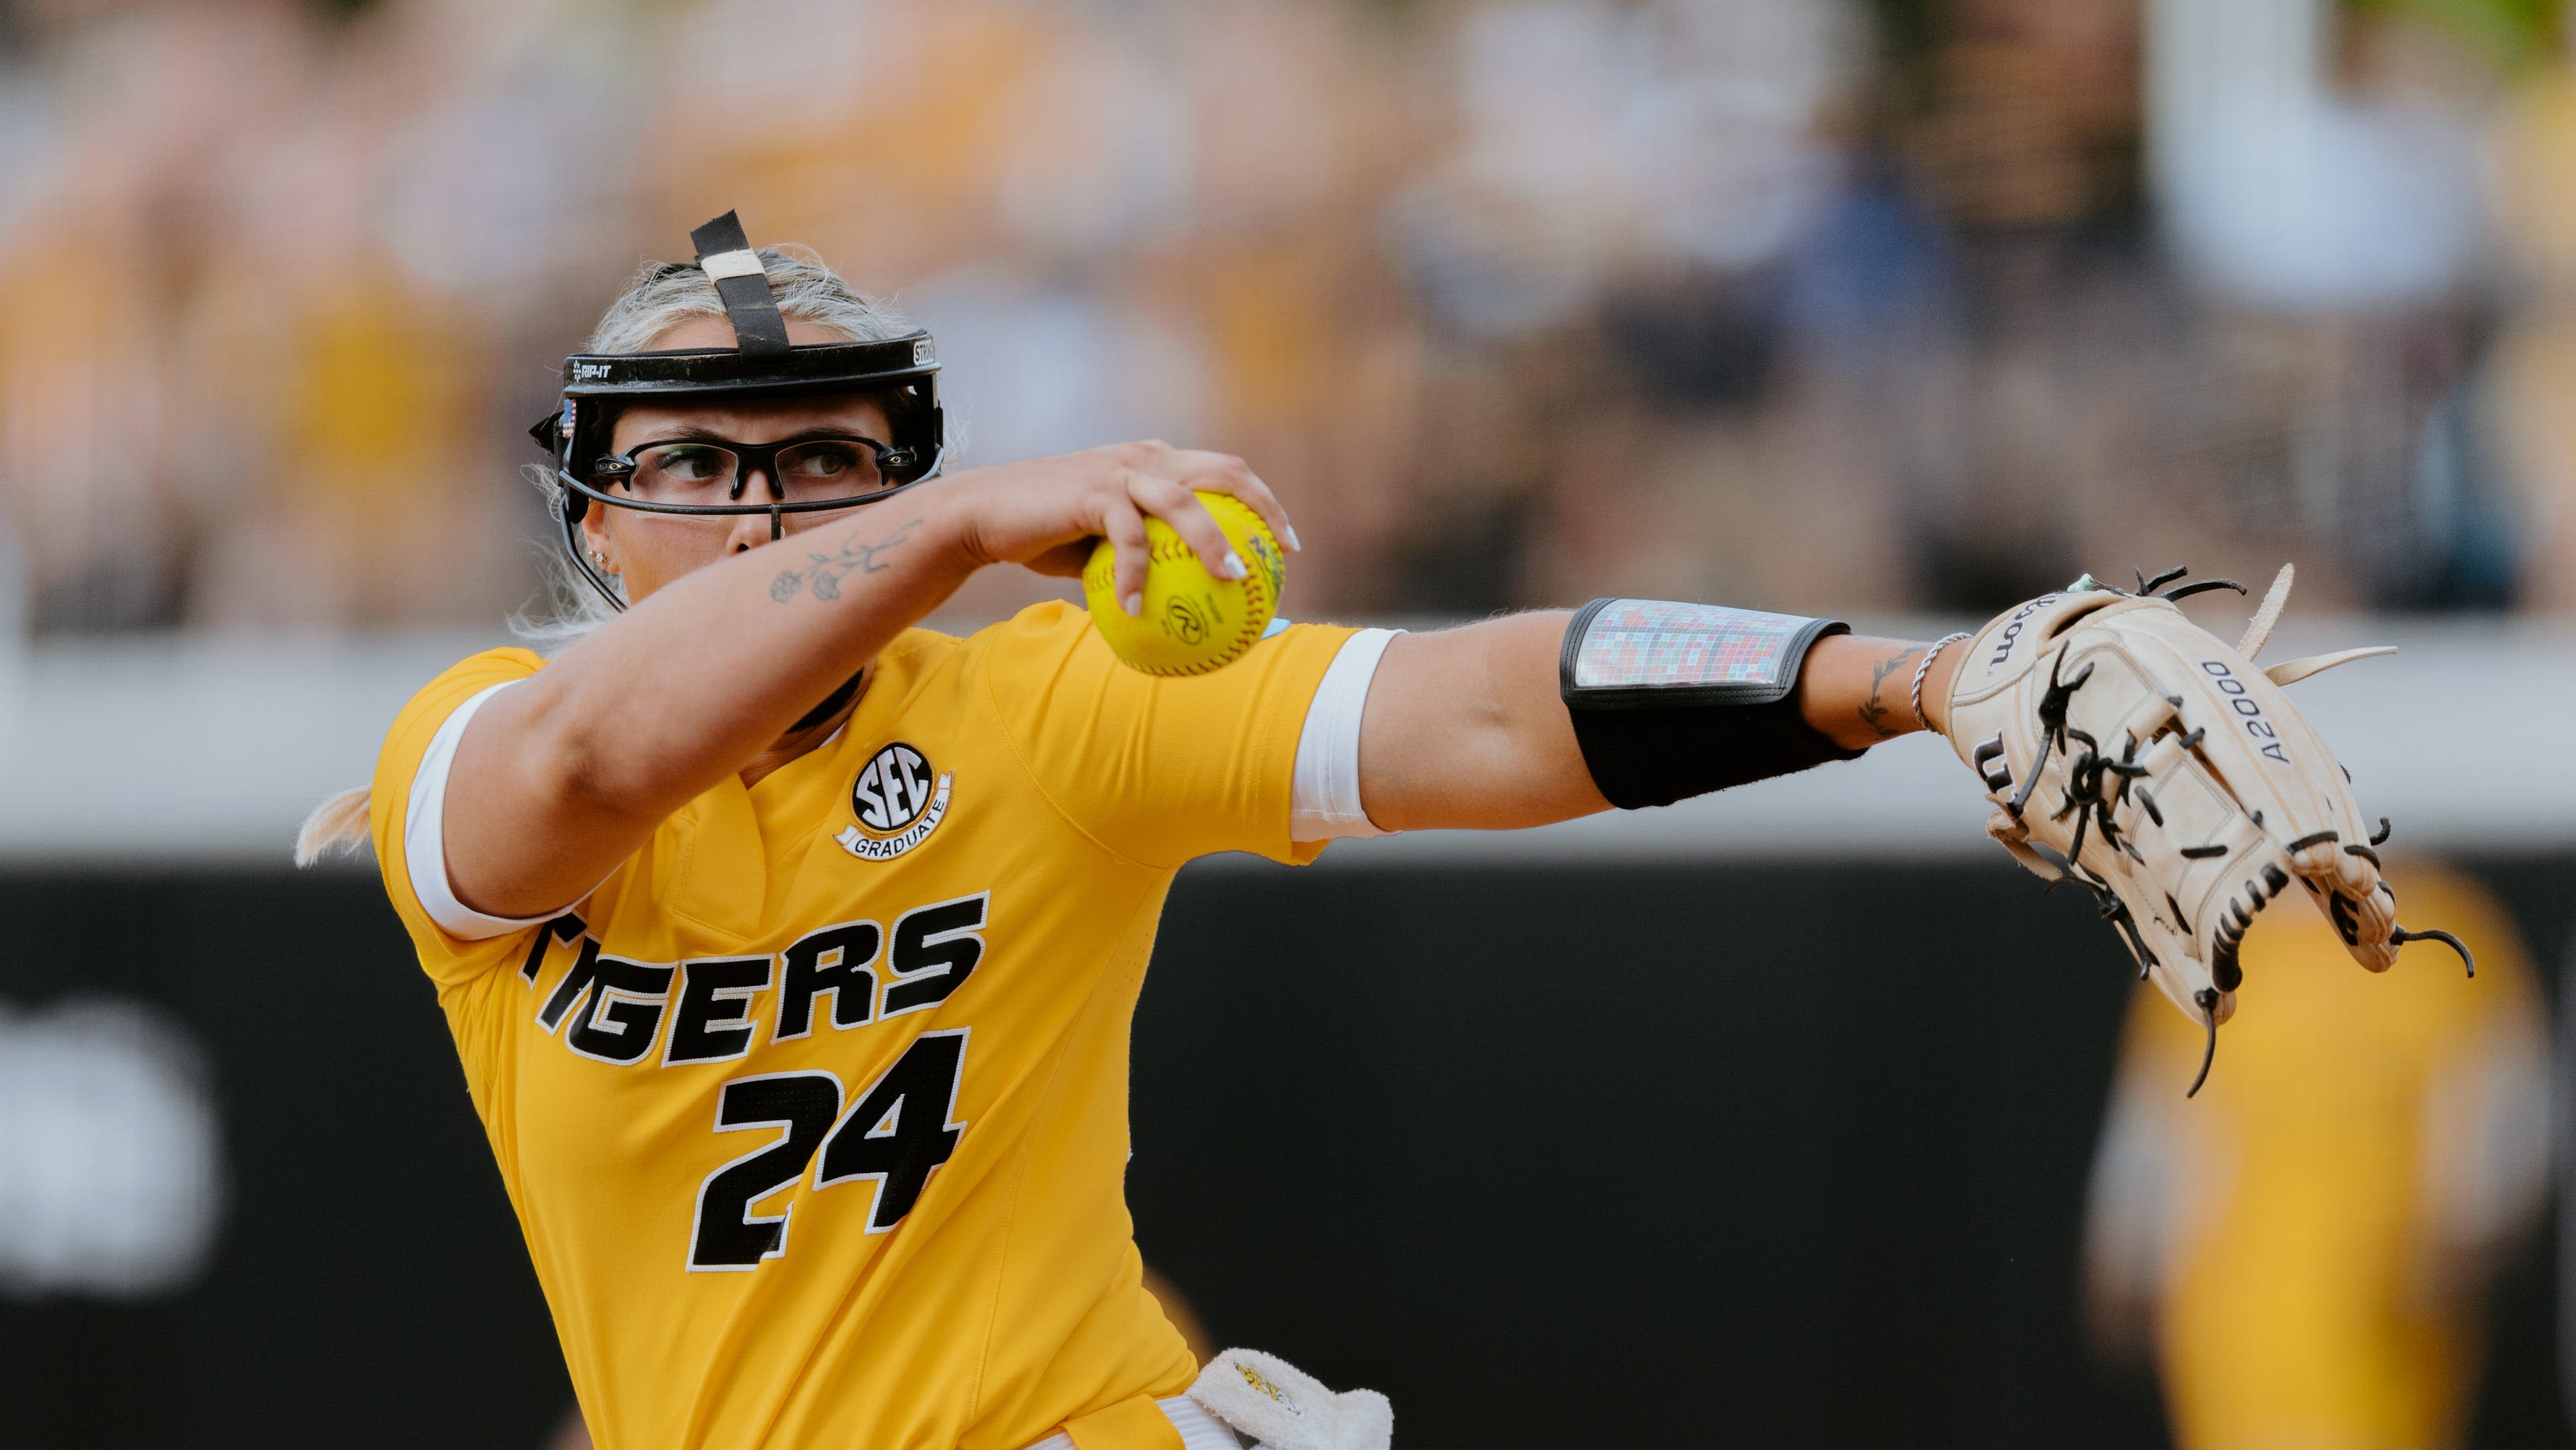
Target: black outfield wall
column 1577, row 1155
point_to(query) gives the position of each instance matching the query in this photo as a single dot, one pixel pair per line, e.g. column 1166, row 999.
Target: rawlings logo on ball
column 1190, row 621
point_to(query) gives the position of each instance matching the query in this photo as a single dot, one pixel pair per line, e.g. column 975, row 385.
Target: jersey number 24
column 895, row 1132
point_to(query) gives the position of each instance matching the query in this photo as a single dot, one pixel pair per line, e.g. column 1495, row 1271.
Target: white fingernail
column 1234, row 565
column 1292, row 538
column 1135, row 605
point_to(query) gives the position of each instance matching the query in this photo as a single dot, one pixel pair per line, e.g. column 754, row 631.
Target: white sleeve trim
column 1324, row 795
column 425, row 843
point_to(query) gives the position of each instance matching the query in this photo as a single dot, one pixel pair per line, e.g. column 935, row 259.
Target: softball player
column 790, row 949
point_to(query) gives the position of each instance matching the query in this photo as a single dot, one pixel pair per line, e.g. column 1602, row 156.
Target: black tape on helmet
column 903, row 372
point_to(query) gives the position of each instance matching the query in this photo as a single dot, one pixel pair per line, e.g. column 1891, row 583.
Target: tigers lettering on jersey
column 612, row 1010
column 890, row 1135
column 898, row 800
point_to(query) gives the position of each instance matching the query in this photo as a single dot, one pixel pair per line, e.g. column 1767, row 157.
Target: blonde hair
column 656, row 299
column 338, row 824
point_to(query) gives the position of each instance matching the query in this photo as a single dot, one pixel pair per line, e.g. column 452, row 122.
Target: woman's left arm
column 1465, row 727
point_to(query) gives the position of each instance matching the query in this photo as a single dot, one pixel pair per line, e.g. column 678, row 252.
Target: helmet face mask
column 900, row 374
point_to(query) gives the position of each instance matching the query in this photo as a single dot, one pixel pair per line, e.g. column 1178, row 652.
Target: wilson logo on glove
column 2012, row 629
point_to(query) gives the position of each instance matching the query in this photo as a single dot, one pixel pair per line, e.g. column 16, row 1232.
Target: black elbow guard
column 1675, row 700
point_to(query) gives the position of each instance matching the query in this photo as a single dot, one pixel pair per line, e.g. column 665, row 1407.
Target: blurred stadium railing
column 204, row 750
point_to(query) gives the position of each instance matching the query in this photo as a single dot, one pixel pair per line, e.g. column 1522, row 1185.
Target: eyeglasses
column 702, row 473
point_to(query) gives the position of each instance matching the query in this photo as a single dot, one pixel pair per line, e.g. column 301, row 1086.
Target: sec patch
column 897, row 800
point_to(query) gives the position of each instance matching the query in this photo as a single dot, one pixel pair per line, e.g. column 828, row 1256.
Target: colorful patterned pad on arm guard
column 2132, row 751
column 1276, row 1405
column 1660, row 653
column 1671, row 700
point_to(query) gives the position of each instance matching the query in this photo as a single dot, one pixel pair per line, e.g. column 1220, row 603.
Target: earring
column 597, row 557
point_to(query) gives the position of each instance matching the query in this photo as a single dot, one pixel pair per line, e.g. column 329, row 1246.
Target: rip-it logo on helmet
column 901, row 373
column 898, row 800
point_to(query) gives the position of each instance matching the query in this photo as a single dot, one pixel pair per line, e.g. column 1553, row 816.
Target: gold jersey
column 815, row 1112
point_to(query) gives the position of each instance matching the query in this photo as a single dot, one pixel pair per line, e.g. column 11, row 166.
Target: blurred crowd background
column 1904, row 304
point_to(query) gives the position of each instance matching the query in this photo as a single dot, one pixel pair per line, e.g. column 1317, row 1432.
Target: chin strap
column 574, row 551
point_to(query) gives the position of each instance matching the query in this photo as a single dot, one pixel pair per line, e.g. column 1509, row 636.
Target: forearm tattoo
column 822, row 578
column 1872, row 713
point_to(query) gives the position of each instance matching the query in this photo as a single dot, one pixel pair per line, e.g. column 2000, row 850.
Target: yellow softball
column 1192, row 621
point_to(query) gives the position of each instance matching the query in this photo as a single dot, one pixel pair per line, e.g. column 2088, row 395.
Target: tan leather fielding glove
column 2129, row 750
